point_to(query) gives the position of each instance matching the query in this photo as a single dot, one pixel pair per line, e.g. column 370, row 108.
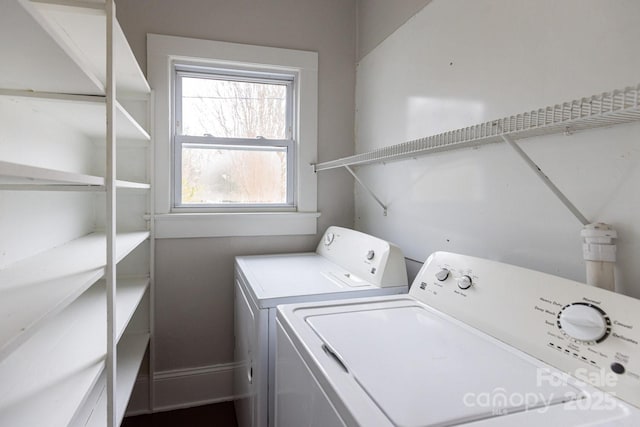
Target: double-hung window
column 235, row 131
column 233, row 141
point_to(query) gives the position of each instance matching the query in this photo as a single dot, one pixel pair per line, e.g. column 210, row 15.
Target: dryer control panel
column 590, row 333
column 366, row 257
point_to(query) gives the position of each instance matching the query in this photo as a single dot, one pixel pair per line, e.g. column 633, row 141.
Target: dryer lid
column 290, row 278
column 422, row 369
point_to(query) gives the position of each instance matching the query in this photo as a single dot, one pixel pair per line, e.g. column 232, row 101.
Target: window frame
column 179, row 140
column 162, row 51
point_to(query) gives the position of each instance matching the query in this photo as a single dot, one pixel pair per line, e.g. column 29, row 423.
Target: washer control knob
column 583, row 322
column 328, row 239
column 442, row 275
column 370, row 255
column 465, row 282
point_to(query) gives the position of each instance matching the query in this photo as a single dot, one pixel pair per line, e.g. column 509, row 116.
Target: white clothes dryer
column 346, row 264
column 474, row 343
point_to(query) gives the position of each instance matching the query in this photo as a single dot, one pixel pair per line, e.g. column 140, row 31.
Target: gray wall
column 194, row 286
column 377, row 19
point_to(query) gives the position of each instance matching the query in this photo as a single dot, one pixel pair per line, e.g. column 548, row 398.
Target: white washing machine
column 346, row 264
column 474, row 343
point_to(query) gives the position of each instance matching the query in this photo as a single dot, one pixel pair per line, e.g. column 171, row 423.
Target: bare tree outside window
column 223, row 173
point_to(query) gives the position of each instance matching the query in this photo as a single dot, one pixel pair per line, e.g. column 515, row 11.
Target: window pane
column 231, row 175
column 233, row 109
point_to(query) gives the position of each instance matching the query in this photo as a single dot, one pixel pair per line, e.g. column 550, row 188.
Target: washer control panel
column 585, row 331
column 367, row 258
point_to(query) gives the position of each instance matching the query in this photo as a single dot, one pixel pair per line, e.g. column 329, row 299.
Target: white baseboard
column 184, row 388
column 139, row 400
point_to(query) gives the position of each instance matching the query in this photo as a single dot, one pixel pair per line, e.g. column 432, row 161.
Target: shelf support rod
column 546, row 180
column 110, row 181
column 152, row 251
column 384, row 208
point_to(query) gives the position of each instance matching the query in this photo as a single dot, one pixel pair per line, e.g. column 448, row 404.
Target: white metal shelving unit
column 58, row 385
column 74, row 311
column 606, row 109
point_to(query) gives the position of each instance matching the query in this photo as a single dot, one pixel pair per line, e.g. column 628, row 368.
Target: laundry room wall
column 457, row 63
column 194, row 277
column 377, row 19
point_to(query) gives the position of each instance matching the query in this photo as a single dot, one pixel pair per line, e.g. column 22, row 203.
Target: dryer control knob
column 442, row 275
column 370, row 255
column 465, row 282
column 584, row 322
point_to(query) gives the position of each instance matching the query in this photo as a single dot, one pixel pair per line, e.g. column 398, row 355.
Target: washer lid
column 422, row 369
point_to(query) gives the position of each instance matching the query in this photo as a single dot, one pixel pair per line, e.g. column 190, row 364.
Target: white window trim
column 162, row 52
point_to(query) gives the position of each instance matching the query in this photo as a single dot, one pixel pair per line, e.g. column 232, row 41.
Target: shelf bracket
column 546, row 180
column 382, row 205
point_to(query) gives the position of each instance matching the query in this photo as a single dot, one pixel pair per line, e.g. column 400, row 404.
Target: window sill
column 190, row 225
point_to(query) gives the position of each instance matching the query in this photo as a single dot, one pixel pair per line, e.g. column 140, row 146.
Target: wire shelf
column 606, row 109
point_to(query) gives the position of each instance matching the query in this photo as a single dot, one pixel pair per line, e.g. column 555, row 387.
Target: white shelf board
column 17, row 176
column 32, row 60
column 130, row 292
column 16, row 173
column 34, row 290
column 79, row 28
column 130, row 185
column 131, row 350
column 84, row 113
column 51, row 376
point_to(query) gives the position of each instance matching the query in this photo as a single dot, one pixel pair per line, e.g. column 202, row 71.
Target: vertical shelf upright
column 110, row 92
column 76, row 276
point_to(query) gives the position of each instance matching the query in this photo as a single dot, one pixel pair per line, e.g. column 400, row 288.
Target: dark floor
column 216, row 415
